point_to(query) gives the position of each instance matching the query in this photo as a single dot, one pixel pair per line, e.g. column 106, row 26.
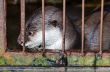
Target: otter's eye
column 54, row 23
column 30, row 33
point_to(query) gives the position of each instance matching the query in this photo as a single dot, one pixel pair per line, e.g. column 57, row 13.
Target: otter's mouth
column 31, row 46
column 34, row 49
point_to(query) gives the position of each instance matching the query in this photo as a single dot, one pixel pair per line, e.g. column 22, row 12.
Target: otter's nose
column 39, row 46
column 20, row 41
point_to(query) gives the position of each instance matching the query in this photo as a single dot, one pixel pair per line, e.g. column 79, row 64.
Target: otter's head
column 33, row 31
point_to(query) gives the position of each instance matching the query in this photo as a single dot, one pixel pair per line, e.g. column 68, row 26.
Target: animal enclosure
column 10, row 55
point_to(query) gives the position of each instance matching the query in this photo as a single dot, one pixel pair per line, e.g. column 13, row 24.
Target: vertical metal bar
column 83, row 10
column 101, row 25
column 3, row 40
column 64, row 26
column 22, row 3
column 5, row 25
column 43, row 25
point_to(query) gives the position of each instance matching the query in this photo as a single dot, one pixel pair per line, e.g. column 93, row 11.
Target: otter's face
column 52, row 36
column 33, row 35
column 53, row 22
column 34, row 39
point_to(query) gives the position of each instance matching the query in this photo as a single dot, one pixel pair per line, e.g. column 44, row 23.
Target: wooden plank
column 36, row 59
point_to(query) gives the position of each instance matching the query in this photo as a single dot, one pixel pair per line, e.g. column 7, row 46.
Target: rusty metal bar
column 5, row 13
column 64, row 26
column 101, row 25
column 82, row 37
column 22, row 3
column 43, row 25
column 3, row 40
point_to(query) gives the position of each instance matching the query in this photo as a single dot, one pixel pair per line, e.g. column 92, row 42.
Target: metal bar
column 56, row 69
column 64, row 26
column 3, row 40
column 83, row 8
column 43, row 25
column 22, row 2
column 101, row 25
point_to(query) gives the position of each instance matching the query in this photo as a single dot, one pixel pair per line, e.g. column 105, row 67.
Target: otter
column 53, row 30
column 92, row 30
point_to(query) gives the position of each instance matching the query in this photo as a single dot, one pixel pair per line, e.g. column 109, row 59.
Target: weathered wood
column 36, row 59
column 3, row 43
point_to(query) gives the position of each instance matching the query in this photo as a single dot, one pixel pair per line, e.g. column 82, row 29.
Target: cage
column 15, row 13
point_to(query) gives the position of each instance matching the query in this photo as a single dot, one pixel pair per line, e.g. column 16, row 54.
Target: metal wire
column 43, row 25
column 101, row 25
column 82, row 37
column 22, row 2
column 64, row 26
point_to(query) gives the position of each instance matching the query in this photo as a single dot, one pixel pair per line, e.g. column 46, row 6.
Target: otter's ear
column 54, row 23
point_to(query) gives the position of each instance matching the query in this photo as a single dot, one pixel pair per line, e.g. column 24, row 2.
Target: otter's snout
column 20, row 40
